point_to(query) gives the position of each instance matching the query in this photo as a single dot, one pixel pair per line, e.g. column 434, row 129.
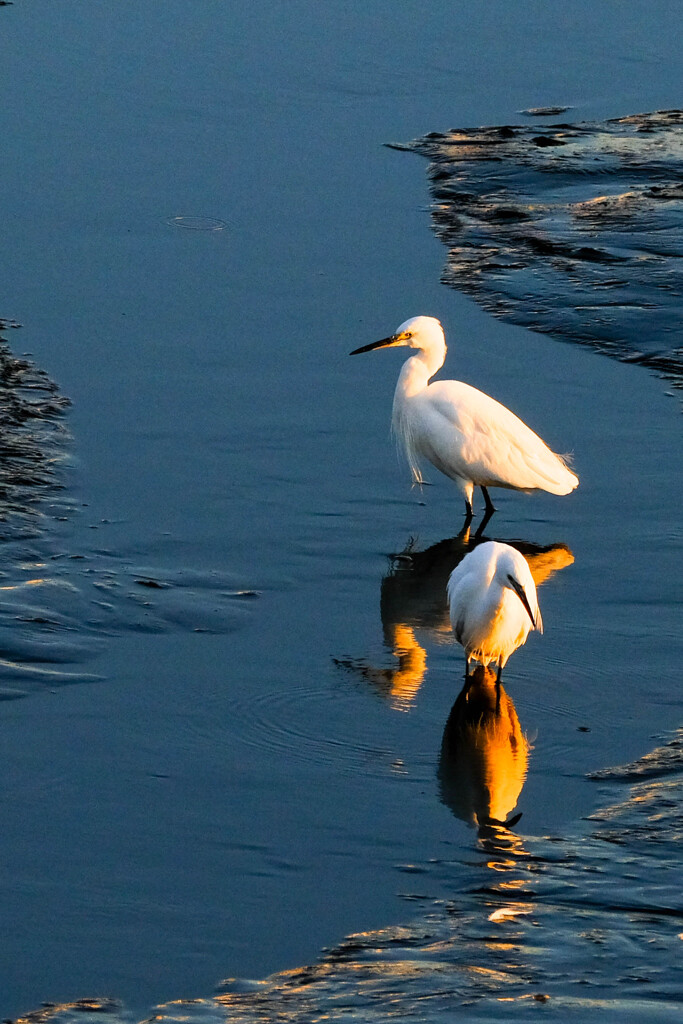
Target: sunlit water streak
column 590, row 924
column 574, row 230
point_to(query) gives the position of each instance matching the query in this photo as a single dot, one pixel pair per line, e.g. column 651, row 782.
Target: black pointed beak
column 519, row 591
column 384, row 343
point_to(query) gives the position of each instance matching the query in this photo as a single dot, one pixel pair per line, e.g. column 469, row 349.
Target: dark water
column 200, row 223
column 587, row 927
column 34, row 440
column 574, row 230
column 62, row 597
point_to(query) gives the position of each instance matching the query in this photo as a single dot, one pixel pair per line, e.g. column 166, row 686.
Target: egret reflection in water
column 414, row 608
column 484, row 755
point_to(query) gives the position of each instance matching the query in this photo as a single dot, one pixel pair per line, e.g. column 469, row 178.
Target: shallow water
column 574, row 231
column 249, row 770
column 586, row 926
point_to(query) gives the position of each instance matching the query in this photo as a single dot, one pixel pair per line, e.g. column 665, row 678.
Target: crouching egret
column 470, row 437
column 493, row 603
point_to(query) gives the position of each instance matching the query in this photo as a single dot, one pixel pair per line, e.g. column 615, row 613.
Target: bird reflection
column 484, row 756
column 401, row 682
column 413, row 601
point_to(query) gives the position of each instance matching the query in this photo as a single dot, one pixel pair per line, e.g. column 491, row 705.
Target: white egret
column 467, row 435
column 493, row 603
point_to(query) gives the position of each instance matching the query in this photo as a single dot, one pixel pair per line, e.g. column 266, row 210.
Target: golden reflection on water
column 484, row 754
column 413, row 599
column 24, row 583
column 399, row 685
column 509, row 913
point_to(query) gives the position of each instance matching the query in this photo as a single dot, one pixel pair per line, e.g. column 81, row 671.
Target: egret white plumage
column 493, row 603
column 467, row 435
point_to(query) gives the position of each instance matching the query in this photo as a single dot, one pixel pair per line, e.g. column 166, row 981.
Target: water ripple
column 57, row 614
column 573, row 230
column 286, row 719
column 590, row 925
column 34, row 441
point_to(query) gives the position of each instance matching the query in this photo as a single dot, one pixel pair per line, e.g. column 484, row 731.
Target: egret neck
column 416, row 373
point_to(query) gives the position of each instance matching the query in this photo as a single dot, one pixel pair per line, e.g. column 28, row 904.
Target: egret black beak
column 519, row 591
column 395, row 339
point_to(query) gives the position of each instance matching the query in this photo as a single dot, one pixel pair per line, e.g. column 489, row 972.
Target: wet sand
column 228, row 799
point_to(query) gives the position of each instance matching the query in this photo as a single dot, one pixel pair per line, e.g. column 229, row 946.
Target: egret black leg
column 469, row 511
column 469, row 680
column 490, row 507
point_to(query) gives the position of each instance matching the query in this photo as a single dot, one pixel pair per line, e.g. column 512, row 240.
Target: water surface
column 225, row 792
column 573, row 230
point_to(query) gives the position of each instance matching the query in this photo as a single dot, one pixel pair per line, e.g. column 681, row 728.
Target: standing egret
column 493, row 603
column 470, row 437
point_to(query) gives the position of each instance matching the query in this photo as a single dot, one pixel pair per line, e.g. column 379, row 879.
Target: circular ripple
column 197, row 223
column 312, row 725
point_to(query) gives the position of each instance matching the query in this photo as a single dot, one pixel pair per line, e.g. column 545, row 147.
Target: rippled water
column 569, row 229
column 35, row 442
column 61, row 598
column 590, row 925
column 57, row 612
column 267, row 750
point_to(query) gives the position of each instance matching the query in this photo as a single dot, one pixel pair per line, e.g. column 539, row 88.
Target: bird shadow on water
column 414, row 608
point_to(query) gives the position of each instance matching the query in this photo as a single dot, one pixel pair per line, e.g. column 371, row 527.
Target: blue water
column 573, row 230
column 216, row 795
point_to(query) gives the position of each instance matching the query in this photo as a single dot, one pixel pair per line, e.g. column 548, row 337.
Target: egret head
column 519, row 590
column 512, row 571
column 423, row 332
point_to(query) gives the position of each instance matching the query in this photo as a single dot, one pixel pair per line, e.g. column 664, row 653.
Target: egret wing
column 468, row 434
